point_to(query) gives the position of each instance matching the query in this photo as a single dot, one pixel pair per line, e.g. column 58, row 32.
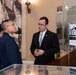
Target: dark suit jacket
column 9, row 51
column 50, row 45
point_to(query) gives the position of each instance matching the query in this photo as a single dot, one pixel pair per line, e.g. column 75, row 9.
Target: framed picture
column 59, row 9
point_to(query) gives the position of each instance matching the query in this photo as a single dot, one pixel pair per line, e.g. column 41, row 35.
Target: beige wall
column 40, row 8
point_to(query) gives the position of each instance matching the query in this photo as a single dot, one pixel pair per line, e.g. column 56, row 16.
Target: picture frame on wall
column 59, row 9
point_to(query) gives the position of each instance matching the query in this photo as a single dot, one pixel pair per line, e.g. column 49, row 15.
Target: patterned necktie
column 40, row 39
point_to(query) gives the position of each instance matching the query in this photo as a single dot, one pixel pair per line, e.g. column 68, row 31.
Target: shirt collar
column 8, row 34
column 43, row 32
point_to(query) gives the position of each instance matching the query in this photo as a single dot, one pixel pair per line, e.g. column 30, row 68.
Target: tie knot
column 41, row 33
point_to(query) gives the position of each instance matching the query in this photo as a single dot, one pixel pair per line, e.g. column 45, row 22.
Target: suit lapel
column 38, row 38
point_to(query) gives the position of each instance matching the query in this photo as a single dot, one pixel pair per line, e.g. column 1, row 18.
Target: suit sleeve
column 12, row 51
column 55, row 46
column 32, row 48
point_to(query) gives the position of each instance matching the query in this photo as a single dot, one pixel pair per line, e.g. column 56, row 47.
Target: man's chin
column 40, row 30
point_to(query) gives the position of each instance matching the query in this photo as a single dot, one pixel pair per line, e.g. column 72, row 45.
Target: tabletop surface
column 27, row 69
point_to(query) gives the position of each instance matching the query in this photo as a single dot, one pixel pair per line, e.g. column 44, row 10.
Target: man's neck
column 44, row 30
column 11, row 34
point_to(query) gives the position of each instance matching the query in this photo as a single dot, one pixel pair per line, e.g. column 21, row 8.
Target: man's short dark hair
column 44, row 18
column 3, row 25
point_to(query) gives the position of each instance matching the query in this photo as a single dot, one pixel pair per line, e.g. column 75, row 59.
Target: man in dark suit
column 1, row 33
column 44, row 44
column 9, row 50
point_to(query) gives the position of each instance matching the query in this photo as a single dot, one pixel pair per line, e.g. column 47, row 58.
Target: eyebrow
column 40, row 24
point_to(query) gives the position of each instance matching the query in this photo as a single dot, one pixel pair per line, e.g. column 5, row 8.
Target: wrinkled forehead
column 42, row 21
column 8, row 23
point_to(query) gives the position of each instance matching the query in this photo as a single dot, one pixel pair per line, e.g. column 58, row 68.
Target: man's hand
column 38, row 52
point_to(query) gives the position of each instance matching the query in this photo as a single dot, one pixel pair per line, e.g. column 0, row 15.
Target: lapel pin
column 46, row 35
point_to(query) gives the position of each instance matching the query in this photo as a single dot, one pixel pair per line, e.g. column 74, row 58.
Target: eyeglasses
column 41, row 24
